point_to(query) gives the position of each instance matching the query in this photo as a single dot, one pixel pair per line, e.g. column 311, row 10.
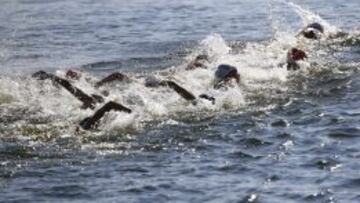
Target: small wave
column 134, row 64
column 344, row 133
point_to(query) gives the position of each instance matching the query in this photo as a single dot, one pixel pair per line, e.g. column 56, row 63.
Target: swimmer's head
column 316, row 26
column 313, row 31
column 41, row 75
column 73, row 75
column 226, row 73
column 296, row 54
column 202, row 57
column 198, row 62
column 293, row 56
column 151, row 81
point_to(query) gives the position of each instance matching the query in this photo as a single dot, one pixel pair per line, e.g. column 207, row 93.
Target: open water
column 279, row 136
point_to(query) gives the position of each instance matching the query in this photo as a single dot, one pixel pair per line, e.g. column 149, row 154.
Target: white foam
column 259, row 65
column 308, row 17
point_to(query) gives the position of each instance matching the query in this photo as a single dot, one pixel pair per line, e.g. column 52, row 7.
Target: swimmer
column 199, row 62
column 91, row 101
column 152, row 82
column 293, row 56
column 73, row 75
column 92, row 121
column 87, row 100
column 225, row 74
column 111, row 78
column 313, row 31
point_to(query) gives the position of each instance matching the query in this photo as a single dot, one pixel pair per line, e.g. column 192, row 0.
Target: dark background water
column 59, row 34
column 307, row 151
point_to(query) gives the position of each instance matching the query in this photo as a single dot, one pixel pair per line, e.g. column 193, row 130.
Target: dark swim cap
column 316, row 26
column 151, row 81
column 224, row 71
column 313, row 31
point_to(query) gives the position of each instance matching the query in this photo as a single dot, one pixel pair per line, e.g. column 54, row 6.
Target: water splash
column 28, row 105
column 308, row 17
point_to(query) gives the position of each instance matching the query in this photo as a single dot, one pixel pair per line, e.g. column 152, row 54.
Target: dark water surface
column 279, row 137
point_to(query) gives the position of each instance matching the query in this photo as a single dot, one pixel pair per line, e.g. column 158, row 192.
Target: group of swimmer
column 224, row 75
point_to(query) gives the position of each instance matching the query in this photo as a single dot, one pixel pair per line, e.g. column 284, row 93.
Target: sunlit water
column 279, row 136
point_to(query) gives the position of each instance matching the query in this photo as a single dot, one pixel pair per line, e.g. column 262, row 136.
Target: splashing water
column 259, row 65
column 274, row 129
column 309, row 17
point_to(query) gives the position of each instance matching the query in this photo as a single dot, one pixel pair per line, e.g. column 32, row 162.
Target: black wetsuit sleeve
column 180, row 90
column 88, row 101
column 90, row 122
column 112, row 77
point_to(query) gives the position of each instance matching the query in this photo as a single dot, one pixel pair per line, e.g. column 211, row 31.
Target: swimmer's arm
column 91, row 122
column 88, row 101
column 113, row 77
column 180, row 90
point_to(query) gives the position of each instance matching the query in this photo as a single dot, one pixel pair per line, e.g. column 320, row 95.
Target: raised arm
column 88, row 101
column 91, row 122
column 113, row 77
